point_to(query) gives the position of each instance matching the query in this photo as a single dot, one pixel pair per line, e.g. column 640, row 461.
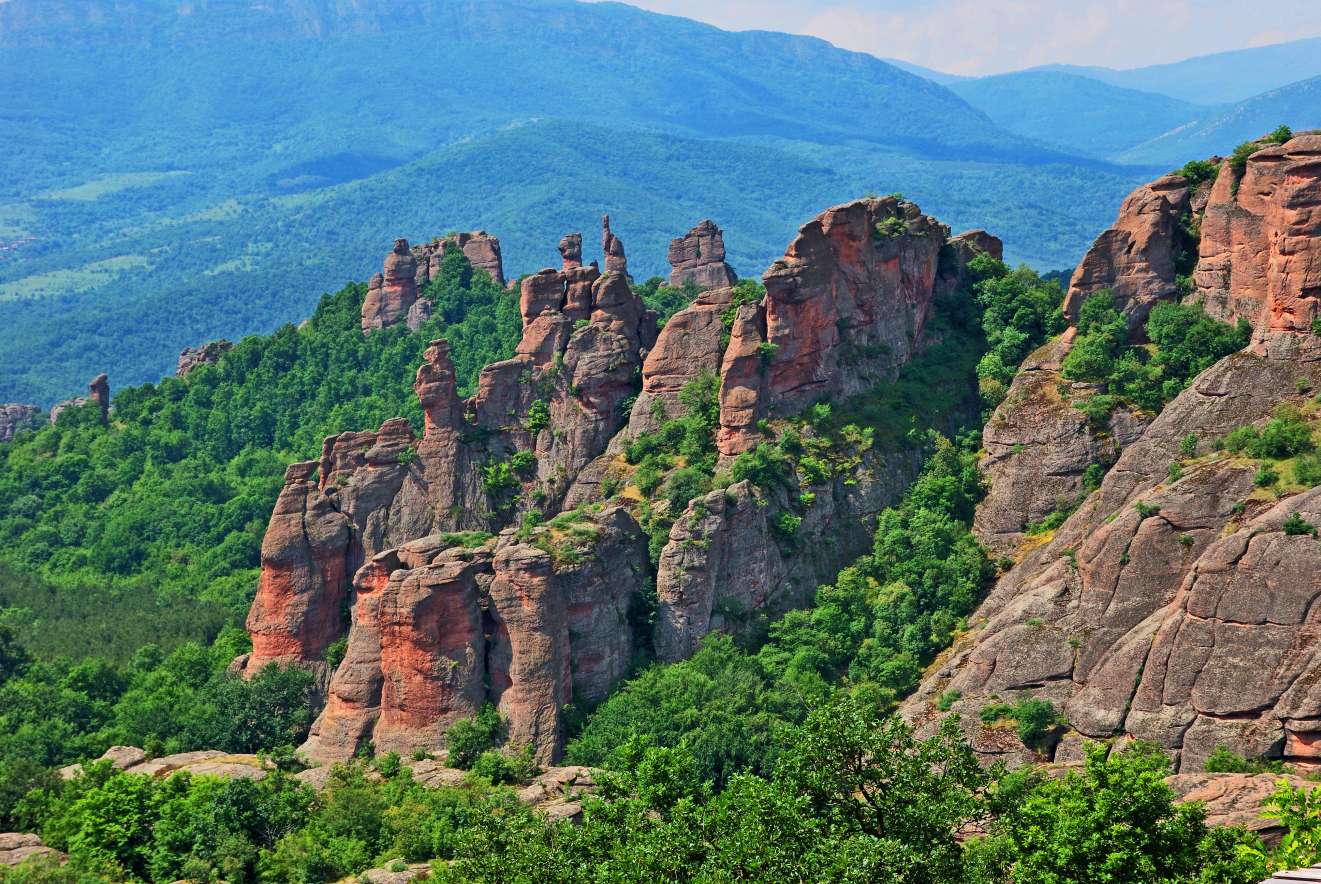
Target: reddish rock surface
column 1135, row 258
column 536, row 619
column 699, row 257
column 480, row 248
column 207, row 354
column 391, row 294
column 1189, row 627
column 612, row 249
column 1037, row 447
column 1260, row 253
column 16, row 417
column 571, row 251
column 18, row 847
column 297, row 611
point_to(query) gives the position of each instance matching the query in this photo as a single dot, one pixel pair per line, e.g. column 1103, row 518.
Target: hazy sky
column 989, row 36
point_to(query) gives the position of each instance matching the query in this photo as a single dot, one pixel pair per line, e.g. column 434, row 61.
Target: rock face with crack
column 1176, row 610
column 699, row 257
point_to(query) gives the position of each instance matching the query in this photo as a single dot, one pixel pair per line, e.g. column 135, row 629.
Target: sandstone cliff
column 394, row 294
column 492, row 558
column 98, row 392
column 1175, row 605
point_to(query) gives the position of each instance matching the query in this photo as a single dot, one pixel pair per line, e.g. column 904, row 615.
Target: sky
column 974, row 37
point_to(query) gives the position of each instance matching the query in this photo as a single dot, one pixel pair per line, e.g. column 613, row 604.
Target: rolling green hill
column 173, row 173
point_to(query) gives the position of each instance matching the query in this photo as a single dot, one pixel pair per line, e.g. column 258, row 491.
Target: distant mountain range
column 1157, row 115
column 171, row 173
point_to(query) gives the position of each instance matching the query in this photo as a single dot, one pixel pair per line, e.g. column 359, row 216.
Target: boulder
column 19, row 847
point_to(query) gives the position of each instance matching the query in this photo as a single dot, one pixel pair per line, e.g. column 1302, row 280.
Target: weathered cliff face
column 207, row 354
column 538, row 618
column 1136, row 257
column 304, row 556
column 480, row 248
column 691, row 343
column 16, row 417
column 391, row 294
column 844, row 308
column 529, row 623
column 1260, row 252
column 394, row 295
column 1038, row 447
column 1173, row 610
column 699, row 257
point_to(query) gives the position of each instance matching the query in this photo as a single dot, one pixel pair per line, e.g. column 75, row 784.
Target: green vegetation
column 1035, row 719
column 869, row 634
column 1019, row 311
column 1238, row 160
column 1223, row 760
column 130, row 551
column 666, row 301
column 1185, row 343
column 1285, row 435
column 855, row 797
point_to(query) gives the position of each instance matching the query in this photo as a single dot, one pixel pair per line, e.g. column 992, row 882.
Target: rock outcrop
column 1260, row 251
column 1173, row 606
column 207, row 354
column 98, row 393
column 462, row 583
column 480, row 248
column 530, row 623
column 699, row 257
column 19, row 847
column 845, row 308
column 1038, row 447
column 16, row 417
column 391, row 293
column 1135, row 258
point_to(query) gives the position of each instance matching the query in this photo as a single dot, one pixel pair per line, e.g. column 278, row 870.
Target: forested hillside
column 267, row 154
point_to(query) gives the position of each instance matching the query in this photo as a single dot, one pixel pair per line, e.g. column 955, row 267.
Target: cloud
column 977, row 37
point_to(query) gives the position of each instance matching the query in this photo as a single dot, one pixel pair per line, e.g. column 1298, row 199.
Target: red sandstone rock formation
column 571, row 251
column 297, row 611
column 392, row 293
column 699, row 257
column 537, row 620
column 1135, row 258
column 612, row 249
column 480, row 248
column 1260, row 254
column 207, row 354
column 1192, row 627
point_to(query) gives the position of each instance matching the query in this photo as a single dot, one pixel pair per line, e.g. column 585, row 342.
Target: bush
column 1307, row 470
column 1265, row 476
column 1222, row 760
column 468, row 738
column 1295, row 526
